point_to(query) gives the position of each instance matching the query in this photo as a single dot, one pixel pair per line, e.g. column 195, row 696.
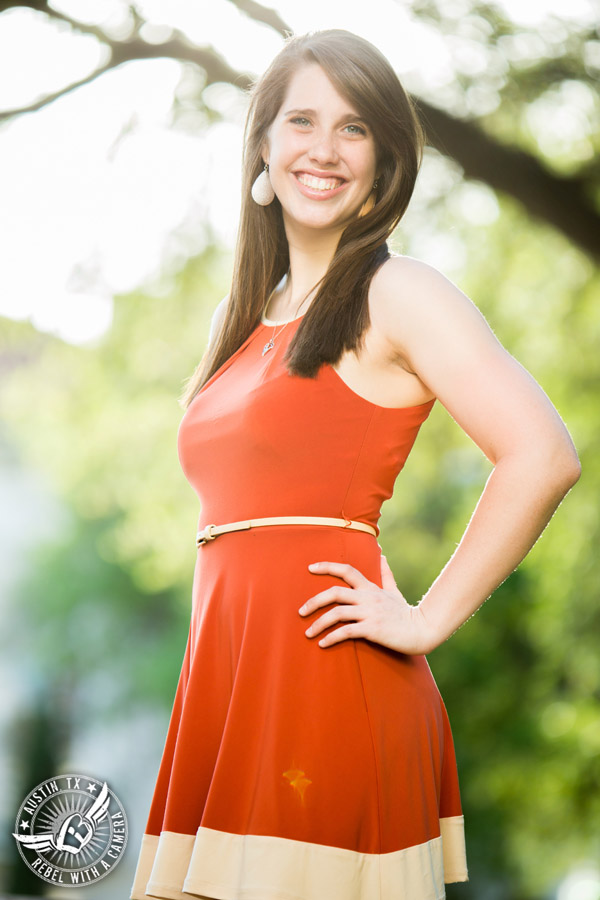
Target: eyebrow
column 354, row 117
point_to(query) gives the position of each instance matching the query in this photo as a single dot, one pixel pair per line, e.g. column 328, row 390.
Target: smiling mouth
column 318, row 184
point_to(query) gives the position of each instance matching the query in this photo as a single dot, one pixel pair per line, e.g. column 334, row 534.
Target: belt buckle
column 205, row 535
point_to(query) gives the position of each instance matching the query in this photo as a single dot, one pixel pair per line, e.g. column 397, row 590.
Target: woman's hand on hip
column 379, row 614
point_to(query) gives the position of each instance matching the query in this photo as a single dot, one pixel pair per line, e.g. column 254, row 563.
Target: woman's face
column 321, row 155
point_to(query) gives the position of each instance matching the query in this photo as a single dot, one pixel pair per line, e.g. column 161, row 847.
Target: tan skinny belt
column 210, row 532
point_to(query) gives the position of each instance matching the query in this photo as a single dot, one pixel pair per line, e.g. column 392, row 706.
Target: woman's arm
column 216, row 320
column 441, row 337
column 446, row 342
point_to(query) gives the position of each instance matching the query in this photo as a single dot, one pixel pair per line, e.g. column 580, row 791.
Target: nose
column 323, row 149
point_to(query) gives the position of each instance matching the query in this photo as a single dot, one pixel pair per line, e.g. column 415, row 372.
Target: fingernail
column 313, row 566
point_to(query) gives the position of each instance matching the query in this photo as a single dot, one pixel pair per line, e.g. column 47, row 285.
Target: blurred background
column 120, row 148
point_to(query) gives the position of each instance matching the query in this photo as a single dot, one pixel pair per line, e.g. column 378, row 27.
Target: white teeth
column 320, row 184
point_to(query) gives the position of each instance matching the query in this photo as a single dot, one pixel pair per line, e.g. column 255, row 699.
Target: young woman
column 309, row 755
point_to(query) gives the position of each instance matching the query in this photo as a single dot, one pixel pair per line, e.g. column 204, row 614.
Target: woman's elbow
column 562, row 460
column 572, row 470
column 557, row 466
column 566, row 467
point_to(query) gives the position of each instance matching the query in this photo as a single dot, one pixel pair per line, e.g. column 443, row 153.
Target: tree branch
column 260, row 13
column 177, row 47
column 564, row 202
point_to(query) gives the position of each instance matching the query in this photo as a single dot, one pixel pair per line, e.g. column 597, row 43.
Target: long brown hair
column 338, row 315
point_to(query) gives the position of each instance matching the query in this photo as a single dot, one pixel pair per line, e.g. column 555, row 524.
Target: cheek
column 370, row 167
column 278, row 172
column 285, row 150
column 363, row 165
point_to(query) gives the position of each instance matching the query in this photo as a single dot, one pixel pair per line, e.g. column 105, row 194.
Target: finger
column 342, row 570
column 331, row 595
column 341, row 634
column 388, row 582
column 332, row 617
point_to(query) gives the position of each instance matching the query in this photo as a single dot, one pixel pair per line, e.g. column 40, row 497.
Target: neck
column 311, row 251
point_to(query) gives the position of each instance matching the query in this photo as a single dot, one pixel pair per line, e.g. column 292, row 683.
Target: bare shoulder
column 217, row 318
column 400, row 270
column 410, row 295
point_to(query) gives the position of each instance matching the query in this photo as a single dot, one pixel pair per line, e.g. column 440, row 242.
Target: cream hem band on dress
column 213, row 864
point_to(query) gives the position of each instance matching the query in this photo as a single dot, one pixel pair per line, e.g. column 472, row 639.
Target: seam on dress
column 356, row 461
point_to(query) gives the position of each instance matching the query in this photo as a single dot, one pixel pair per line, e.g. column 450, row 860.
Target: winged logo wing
column 99, row 807
column 39, row 842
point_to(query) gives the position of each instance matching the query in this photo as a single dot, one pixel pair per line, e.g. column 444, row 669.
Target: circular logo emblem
column 71, row 830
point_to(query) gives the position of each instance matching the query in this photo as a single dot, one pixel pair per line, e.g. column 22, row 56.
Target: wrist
column 431, row 629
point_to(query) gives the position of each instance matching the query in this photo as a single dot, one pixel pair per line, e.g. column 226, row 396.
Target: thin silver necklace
column 270, row 343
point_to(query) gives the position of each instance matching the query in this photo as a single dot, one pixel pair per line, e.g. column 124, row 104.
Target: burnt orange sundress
column 293, row 771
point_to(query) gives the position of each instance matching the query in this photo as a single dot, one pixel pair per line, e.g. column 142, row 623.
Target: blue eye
column 360, row 130
column 299, row 119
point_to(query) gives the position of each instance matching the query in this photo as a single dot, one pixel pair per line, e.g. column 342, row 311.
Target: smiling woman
column 303, row 769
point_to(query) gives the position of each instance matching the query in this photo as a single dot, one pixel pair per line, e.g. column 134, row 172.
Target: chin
column 320, row 219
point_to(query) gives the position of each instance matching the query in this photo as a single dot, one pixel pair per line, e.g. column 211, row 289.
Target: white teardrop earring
column 262, row 189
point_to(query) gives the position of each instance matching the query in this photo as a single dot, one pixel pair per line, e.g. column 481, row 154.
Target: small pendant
column 268, row 346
